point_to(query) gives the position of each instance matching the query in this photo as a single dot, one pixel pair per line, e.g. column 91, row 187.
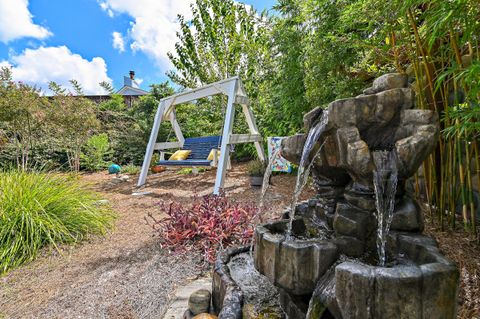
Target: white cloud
column 118, row 42
column 16, row 22
column 104, row 6
column 40, row 66
column 155, row 24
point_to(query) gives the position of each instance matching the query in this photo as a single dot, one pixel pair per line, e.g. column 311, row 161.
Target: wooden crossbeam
column 167, row 145
column 244, row 138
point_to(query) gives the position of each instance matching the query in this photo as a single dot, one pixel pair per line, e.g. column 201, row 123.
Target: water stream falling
column 265, row 186
column 305, row 166
column 385, row 179
column 266, row 177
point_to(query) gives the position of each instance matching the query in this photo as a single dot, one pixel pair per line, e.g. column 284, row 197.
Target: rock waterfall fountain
column 356, row 249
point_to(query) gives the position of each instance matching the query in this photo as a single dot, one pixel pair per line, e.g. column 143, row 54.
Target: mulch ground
column 127, row 275
column 464, row 250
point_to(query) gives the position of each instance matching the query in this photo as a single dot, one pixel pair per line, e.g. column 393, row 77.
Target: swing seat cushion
column 180, row 155
column 211, row 155
column 200, row 148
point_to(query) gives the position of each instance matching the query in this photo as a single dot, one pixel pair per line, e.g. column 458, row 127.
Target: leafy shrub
column 95, row 153
column 39, row 209
column 115, row 103
column 186, row 170
column 210, row 223
column 131, row 169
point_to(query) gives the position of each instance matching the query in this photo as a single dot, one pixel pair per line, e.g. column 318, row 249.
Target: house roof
column 130, row 90
column 130, row 86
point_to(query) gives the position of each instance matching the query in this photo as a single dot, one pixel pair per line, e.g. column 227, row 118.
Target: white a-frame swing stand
column 234, row 90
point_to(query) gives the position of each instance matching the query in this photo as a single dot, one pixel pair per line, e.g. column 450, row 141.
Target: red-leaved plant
column 209, row 223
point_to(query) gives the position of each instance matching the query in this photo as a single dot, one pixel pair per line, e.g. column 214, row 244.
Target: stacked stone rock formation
column 381, row 118
column 316, row 267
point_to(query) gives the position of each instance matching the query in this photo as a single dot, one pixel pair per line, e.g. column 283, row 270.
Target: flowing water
column 266, row 177
column 385, row 179
column 305, row 166
column 265, row 186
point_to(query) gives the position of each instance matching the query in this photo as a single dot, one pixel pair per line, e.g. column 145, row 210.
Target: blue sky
column 91, row 40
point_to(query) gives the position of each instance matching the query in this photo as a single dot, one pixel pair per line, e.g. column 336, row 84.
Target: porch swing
column 201, row 147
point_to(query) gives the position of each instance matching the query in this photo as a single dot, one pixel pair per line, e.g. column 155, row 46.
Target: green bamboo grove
column 440, row 39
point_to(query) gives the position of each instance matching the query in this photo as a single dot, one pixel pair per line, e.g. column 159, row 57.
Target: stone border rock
column 227, row 297
column 179, row 305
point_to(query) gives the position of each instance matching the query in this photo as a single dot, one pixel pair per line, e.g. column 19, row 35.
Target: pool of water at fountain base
column 302, row 229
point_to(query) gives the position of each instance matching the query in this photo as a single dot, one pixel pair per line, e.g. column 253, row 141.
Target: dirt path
column 125, row 275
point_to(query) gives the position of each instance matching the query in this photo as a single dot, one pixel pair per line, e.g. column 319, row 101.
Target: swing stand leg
column 229, row 164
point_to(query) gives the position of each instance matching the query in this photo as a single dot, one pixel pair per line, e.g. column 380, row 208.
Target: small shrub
column 37, row 210
column 96, row 151
column 210, row 223
column 187, row 171
column 256, row 168
column 131, row 169
column 155, row 159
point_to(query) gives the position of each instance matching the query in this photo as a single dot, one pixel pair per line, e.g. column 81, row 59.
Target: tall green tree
column 22, row 116
column 74, row 120
column 323, row 50
column 286, row 88
column 224, row 38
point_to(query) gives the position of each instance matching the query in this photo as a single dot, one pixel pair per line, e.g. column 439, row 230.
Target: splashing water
column 266, row 177
column 265, row 186
column 385, row 179
column 304, row 167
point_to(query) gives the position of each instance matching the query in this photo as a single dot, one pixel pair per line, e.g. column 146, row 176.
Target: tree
column 286, row 92
column 129, row 129
column 115, row 103
column 22, row 113
column 96, row 152
column 74, row 119
column 223, row 39
column 107, row 87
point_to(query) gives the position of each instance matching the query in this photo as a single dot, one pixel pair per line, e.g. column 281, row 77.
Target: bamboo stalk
column 453, row 42
column 470, row 188
column 424, row 56
column 427, row 179
column 462, row 186
column 452, row 182
column 395, row 53
column 477, row 167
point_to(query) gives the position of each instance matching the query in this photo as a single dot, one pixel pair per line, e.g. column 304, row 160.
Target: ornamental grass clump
column 210, row 223
column 39, row 210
